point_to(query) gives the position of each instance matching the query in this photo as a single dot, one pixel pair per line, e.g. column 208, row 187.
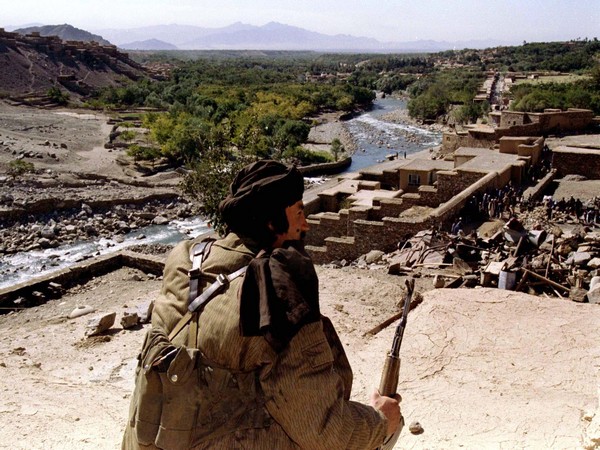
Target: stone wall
column 323, row 225
column 514, row 123
column 451, row 183
column 533, row 193
column 82, row 272
column 363, row 235
column 356, row 213
column 313, row 170
column 579, row 161
column 453, row 141
column 429, row 196
column 389, row 207
column 445, row 213
column 527, row 147
column 570, row 120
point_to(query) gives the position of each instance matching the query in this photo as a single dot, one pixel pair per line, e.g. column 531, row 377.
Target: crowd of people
column 503, row 203
column 587, row 214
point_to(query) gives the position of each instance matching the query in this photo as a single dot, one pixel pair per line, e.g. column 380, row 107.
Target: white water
column 376, row 138
column 24, row 266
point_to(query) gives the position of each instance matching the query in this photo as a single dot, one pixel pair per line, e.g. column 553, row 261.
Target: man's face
column 297, row 225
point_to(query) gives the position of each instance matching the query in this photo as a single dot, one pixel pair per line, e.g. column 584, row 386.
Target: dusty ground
column 63, row 143
column 83, row 133
column 481, row 368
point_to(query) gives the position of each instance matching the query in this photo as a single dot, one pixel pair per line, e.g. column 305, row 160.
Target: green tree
column 58, row 96
column 209, row 181
column 336, row 148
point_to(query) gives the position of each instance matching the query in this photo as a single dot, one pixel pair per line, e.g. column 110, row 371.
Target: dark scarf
column 279, row 295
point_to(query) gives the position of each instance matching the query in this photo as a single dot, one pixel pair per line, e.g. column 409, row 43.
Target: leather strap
column 200, row 301
column 220, row 284
column 198, row 254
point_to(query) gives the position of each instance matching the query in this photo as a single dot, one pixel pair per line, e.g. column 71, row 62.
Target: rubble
column 526, row 251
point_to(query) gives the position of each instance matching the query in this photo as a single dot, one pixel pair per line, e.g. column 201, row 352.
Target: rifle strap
column 198, row 254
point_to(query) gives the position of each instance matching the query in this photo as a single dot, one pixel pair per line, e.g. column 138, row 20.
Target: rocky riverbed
column 37, row 213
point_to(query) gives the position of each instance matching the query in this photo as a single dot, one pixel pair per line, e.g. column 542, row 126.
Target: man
column 275, row 375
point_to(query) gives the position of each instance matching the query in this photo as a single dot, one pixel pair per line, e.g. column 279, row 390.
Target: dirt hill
column 32, row 64
column 66, row 32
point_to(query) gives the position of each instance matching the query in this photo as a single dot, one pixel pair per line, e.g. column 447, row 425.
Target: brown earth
column 481, row 368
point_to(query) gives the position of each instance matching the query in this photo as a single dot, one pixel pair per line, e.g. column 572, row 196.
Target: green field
column 570, row 78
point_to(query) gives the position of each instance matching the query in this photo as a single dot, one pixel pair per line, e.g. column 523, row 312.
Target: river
column 20, row 267
column 374, row 137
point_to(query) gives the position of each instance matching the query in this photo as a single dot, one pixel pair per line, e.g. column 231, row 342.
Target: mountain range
column 241, row 36
column 272, row 36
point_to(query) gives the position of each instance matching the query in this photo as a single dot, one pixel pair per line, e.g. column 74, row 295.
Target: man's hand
column 390, row 407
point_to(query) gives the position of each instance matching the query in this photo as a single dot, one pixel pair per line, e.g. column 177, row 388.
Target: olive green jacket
column 298, row 398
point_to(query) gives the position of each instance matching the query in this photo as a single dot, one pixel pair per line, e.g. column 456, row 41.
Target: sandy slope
column 481, row 368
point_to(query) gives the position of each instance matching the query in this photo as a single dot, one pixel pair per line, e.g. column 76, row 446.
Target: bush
column 19, row 167
column 139, row 153
column 209, row 182
column 58, row 96
column 304, row 156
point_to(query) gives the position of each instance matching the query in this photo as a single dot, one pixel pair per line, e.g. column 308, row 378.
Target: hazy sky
column 384, row 20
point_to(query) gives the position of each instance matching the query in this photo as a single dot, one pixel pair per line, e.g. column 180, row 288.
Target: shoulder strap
column 198, row 254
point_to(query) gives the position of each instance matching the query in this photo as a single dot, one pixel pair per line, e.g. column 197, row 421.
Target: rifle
column 391, row 370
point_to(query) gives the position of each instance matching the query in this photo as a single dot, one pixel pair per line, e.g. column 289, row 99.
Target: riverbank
column 330, row 126
column 403, row 132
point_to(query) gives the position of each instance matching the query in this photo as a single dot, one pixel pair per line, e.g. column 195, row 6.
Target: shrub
column 19, row 167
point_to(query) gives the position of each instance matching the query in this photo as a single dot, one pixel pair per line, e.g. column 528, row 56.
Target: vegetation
column 432, row 96
column 57, row 96
column 535, row 98
column 19, row 167
column 209, row 182
column 336, row 148
column 219, row 110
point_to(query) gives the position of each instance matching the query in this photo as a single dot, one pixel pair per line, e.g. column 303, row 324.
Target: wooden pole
column 522, row 281
column 516, row 252
column 550, row 257
column 386, row 323
column 550, row 282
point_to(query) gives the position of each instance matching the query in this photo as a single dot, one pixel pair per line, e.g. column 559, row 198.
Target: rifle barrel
column 391, row 369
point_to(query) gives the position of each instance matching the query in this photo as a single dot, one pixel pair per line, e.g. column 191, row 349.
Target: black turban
column 257, row 190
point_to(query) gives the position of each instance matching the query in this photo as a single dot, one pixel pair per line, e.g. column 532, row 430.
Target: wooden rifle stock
column 391, row 369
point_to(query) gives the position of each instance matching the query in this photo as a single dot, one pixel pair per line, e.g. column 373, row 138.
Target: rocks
column 81, row 311
column 130, row 319
column 416, row 428
column 100, row 324
column 577, row 294
column 83, row 221
column 593, row 295
column 160, row 220
column 373, row 256
column 579, row 258
column 438, row 281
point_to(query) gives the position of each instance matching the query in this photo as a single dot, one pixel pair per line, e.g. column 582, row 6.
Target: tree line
column 220, row 109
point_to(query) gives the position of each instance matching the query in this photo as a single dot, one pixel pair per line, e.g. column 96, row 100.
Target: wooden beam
column 550, row 282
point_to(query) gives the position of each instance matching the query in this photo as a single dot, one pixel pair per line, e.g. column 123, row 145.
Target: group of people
column 587, row 214
column 274, row 371
column 491, row 204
